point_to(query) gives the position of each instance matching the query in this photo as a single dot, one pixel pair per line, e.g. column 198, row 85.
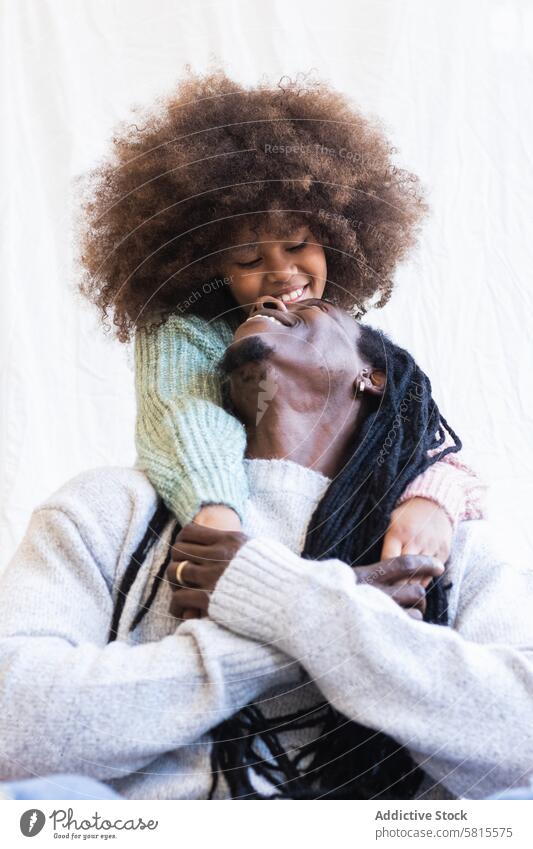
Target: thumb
column 392, row 545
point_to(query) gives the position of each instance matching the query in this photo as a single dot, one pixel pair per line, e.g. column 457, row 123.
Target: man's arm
column 70, row 702
column 461, row 699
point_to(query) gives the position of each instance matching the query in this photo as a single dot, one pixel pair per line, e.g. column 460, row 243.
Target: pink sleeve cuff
column 452, row 485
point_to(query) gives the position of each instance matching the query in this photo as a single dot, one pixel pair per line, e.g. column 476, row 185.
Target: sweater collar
column 283, row 497
column 287, row 476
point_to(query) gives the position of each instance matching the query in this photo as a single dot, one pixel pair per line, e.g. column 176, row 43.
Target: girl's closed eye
column 251, row 263
column 298, row 247
column 248, row 264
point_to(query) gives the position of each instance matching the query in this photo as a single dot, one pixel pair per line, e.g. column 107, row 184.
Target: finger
column 184, row 599
column 171, row 573
column 415, row 614
column 392, row 546
column 190, row 551
column 413, row 547
column 192, row 576
column 201, row 534
column 203, row 554
column 431, row 549
column 418, row 548
column 409, row 566
column 190, row 613
column 443, row 552
column 423, row 581
column 406, row 595
column 410, row 595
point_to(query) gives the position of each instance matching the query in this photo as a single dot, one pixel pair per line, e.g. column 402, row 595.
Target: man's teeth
column 291, row 296
column 270, row 318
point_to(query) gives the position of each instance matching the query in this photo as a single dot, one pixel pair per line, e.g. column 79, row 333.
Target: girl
column 226, row 195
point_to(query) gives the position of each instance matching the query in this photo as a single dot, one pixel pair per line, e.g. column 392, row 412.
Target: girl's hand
column 218, row 516
column 208, row 552
column 418, row 527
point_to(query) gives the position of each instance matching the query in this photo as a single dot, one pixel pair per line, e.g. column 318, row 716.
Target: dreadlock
column 347, row 760
column 152, row 534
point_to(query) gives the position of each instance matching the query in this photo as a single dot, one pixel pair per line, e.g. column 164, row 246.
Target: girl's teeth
column 291, row 296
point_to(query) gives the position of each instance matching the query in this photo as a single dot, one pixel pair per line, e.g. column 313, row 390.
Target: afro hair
column 157, row 214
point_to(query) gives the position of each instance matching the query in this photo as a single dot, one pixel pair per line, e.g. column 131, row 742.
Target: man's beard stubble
column 252, row 349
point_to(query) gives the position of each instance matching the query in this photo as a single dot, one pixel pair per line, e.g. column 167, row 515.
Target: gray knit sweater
column 137, row 713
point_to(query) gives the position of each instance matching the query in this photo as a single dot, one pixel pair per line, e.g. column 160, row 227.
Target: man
column 139, row 712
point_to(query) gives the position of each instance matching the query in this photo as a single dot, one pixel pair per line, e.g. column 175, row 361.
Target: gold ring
column 179, row 570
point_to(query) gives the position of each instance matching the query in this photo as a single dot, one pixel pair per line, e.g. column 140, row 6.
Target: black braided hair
column 345, row 759
column 153, row 533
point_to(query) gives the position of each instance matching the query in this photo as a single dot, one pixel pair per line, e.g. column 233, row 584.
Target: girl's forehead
column 269, row 232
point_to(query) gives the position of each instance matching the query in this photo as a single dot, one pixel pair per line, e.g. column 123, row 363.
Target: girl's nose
column 279, row 271
column 268, row 302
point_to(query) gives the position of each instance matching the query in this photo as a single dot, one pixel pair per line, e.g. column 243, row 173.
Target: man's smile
column 283, row 317
column 269, row 317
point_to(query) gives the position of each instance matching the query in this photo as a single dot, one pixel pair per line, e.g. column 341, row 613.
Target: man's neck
column 320, row 438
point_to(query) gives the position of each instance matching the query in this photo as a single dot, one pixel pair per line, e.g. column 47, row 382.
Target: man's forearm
column 107, row 712
column 71, row 702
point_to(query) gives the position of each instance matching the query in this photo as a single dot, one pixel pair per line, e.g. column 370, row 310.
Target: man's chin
column 245, row 351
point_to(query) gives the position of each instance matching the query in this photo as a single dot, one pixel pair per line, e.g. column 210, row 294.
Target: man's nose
column 268, row 302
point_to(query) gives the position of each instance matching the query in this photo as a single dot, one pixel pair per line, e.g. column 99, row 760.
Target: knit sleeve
column 190, row 448
column 460, row 698
column 453, row 485
column 70, row 701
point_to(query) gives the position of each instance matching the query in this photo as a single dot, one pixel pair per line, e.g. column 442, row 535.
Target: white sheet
column 452, row 82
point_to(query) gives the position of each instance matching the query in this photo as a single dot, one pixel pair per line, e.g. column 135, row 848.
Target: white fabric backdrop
column 452, row 80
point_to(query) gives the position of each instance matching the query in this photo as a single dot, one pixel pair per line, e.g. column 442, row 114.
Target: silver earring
column 359, row 388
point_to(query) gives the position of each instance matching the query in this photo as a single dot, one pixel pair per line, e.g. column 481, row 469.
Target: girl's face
column 292, row 269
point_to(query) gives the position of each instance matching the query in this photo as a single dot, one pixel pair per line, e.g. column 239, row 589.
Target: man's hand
column 404, row 579
column 218, row 516
column 207, row 551
column 418, row 527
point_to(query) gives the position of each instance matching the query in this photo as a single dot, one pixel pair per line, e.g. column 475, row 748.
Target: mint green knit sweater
column 190, row 448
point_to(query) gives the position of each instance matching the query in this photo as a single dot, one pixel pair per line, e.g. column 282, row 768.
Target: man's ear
column 373, row 381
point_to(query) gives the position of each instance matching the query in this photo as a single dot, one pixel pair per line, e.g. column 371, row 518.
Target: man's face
column 292, row 269
column 310, row 346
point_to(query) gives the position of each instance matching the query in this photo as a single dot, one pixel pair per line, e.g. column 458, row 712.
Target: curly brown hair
column 156, row 216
